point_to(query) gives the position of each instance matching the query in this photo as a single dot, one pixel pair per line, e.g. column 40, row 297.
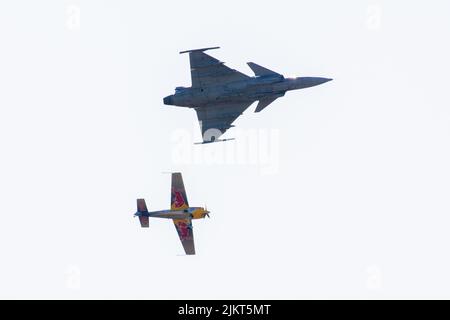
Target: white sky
column 352, row 200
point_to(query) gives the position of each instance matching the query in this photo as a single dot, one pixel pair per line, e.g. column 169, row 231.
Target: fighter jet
column 180, row 212
column 220, row 94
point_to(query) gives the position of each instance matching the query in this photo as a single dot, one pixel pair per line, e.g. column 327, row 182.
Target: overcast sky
column 337, row 191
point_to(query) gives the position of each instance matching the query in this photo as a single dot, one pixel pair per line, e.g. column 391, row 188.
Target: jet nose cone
column 323, row 80
column 168, row 100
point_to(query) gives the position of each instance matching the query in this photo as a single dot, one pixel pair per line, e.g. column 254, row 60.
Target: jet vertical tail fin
column 261, row 71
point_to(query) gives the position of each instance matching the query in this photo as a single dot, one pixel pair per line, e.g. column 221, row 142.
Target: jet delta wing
column 216, row 119
column 207, row 71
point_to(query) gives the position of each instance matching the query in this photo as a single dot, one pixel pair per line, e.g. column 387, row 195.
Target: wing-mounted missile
column 199, row 50
column 212, row 141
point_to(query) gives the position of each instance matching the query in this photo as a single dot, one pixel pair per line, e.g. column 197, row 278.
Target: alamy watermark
column 252, row 147
column 73, row 17
column 73, row 277
column 373, row 17
column 374, row 278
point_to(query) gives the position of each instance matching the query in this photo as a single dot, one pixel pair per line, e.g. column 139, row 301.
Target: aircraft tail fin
column 141, row 211
column 261, row 71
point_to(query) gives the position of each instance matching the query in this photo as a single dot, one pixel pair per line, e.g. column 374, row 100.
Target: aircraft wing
column 208, row 71
column 178, row 197
column 186, row 234
column 216, row 119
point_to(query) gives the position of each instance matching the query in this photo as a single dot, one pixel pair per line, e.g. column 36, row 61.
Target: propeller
column 206, row 211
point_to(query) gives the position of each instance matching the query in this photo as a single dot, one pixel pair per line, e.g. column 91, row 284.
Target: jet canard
column 180, row 212
column 220, row 94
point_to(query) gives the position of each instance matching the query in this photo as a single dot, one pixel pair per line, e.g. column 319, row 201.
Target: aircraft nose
column 307, row 82
column 323, row 80
column 168, row 100
column 311, row 82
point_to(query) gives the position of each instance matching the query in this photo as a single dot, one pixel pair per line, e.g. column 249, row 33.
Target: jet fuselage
column 253, row 89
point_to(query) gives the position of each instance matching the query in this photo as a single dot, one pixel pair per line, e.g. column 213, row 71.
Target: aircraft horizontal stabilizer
column 142, row 213
column 144, row 221
column 141, row 205
column 264, row 103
